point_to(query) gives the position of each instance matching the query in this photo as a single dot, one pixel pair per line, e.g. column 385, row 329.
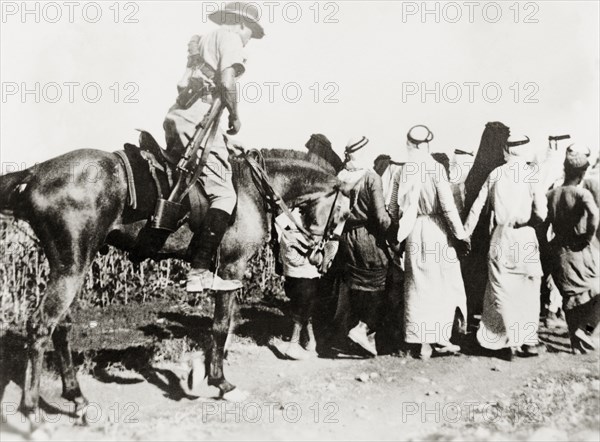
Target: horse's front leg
column 225, row 306
column 239, row 245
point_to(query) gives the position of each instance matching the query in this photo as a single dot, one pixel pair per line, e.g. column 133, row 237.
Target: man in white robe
column 511, row 305
column 429, row 220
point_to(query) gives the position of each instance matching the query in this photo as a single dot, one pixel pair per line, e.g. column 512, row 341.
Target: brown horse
column 75, row 209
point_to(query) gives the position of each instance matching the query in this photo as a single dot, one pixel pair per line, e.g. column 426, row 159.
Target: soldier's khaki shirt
column 221, row 49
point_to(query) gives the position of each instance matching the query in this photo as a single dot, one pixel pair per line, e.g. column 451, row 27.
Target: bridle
column 275, row 203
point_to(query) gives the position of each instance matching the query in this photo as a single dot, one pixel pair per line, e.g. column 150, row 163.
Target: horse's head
column 308, row 182
column 320, row 208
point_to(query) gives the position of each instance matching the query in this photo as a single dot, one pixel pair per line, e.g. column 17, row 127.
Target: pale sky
column 364, row 61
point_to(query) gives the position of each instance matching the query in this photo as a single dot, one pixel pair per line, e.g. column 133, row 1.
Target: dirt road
column 553, row 397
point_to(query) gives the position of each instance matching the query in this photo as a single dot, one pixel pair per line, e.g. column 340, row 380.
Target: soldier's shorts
column 217, row 176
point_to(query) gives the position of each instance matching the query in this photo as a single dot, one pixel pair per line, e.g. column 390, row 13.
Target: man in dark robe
column 363, row 251
column 490, row 155
column 573, row 213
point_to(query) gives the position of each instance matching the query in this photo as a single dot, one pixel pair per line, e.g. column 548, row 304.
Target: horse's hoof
column 81, row 411
column 235, row 395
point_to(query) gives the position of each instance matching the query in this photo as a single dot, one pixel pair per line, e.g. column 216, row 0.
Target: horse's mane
column 297, row 156
column 304, row 160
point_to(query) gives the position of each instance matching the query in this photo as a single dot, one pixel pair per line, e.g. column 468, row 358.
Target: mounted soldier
column 215, row 61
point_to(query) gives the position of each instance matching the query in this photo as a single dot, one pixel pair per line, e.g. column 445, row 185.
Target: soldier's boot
column 204, row 247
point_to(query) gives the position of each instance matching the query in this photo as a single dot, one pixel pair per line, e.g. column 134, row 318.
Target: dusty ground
column 135, row 395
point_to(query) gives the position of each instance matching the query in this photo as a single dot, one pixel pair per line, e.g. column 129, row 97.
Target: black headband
column 517, row 143
column 417, row 142
column 462, row 152
column 358, row 145
column 559, row 137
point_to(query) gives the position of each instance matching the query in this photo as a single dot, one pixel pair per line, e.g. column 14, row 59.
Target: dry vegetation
column 111, row 280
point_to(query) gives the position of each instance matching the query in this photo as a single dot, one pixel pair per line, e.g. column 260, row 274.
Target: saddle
column 151, row 173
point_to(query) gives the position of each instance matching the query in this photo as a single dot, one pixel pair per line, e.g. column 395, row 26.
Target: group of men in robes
column 522, row 213
column 404, row 219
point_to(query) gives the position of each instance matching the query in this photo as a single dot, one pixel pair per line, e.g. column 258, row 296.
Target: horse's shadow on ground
column 260, row 325
column 257, row 325
column 139, row 360
column 176, row 325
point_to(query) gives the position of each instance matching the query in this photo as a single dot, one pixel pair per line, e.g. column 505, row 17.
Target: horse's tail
column 11, row 186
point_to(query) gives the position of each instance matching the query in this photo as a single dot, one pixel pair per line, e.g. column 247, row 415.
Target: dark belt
column 520, row 226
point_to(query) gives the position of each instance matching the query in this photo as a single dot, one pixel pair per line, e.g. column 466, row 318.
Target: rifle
column 168, row 211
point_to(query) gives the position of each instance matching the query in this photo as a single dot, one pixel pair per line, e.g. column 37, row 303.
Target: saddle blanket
column 146, row 178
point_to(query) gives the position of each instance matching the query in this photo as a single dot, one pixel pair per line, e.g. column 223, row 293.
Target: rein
column 320, row 249
column 272, row 199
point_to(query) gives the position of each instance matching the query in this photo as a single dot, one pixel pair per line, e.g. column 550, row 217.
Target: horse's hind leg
column 71, row 389
column 60, row 293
